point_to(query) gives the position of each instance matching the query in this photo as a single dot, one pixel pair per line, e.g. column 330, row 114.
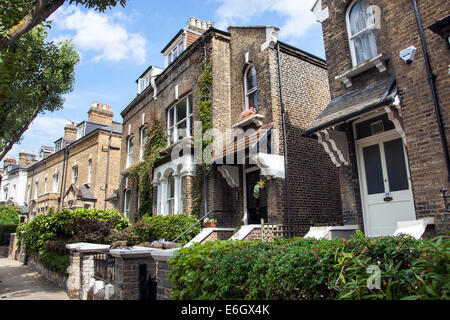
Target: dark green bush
column 311, row 269
column 150, row 229
column 70, row 226
column 9, row 215
column 55, row 261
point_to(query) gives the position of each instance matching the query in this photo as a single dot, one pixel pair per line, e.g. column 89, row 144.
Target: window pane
column 251, row 78
column 171, row 136
column 360, row 16
column 171, row 117
column 189, row 105
column 181, row 110
column 253, row 100
column 365, row 46
column 170, row 186
column 374, row 172
column 396, row 165
column 181, row 129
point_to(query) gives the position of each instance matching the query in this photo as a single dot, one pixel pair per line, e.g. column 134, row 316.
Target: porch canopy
column 259, row 146
column 352, row 105
column 355, row 103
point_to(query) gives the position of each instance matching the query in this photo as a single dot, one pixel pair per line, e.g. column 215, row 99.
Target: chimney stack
column 198, row 25
column 70, row 131
column 26, row 158
column 100, row 113
column 9, row 161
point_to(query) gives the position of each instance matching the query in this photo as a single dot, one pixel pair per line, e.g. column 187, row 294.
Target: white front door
column 385, row 182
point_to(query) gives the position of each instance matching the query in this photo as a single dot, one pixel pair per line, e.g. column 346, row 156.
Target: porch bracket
column 394, row 113
column 322, row 139
column 271, row 165
column 338, row 142
column 230, row 174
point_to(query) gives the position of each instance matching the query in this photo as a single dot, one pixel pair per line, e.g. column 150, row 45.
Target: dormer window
column 58, row 146
column 143, row 84
column 175, row 52
column 361, row 31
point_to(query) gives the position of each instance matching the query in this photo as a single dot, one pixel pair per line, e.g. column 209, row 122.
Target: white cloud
column 104, row 35
column 297, row 13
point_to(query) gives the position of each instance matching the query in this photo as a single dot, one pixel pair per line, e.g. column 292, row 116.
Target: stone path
column 19, row 282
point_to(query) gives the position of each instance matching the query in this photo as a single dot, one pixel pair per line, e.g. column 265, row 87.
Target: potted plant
column 257, row 189
column 247, row 113
column 209, row 223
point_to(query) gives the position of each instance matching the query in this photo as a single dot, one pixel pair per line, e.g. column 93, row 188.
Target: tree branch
column 17, row 138
column 40, row 12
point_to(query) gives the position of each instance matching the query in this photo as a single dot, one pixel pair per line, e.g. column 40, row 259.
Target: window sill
column 168, row 150
column 256, row 119
column 377, row 61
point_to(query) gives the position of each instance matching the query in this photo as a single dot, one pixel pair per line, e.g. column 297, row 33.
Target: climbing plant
column 142, row 174
column 204, row 107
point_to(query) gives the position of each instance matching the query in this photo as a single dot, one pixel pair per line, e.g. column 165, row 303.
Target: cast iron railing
column 104, row 267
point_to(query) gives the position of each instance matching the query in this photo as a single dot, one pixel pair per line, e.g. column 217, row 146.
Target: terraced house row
column 262, row 136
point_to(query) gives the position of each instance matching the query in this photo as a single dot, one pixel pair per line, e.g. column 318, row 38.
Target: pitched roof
column 355, row 103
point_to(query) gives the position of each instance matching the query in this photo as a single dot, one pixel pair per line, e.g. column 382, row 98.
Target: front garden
column 306, row 269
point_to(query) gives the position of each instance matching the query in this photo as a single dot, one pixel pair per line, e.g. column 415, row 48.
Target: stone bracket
column 394, row 112
column 230, row 174
column 335, row 144
column 321, row 15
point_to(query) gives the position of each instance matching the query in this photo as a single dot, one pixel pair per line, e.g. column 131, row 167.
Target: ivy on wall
column 204, row 107
column 142, row 173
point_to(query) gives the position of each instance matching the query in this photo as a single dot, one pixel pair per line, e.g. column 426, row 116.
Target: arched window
column 170, row 194
column 130, row 150
column 251, row 88
column 361, row 31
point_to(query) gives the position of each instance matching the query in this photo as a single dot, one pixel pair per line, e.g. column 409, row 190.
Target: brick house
column 382, row 126
column 83, row 170
column 245, row 74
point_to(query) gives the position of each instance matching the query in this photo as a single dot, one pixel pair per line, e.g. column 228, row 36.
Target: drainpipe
column 431, row 78
column 283, row 118
column 62, row 179
column 66, row 155
column 107, row 165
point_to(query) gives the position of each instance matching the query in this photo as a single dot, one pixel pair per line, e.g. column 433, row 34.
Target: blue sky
column 118, row 45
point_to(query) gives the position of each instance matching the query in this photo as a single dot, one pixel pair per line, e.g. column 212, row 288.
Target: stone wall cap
column 87, row 247
column 132, row 252
column 164, row 255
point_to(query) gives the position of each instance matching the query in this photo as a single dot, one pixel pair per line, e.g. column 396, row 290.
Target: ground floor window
column 170, row 195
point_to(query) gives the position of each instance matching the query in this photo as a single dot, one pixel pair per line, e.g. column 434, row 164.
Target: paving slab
column 19, row 282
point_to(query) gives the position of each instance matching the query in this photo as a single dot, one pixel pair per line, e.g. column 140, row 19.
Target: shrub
column 69, row 226
column 9, row 215
column 55, row 261
column 312, row 269
column 5, row 231
column 150, row 229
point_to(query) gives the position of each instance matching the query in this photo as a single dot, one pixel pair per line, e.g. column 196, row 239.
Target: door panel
column 256, row 208
column 386, row 191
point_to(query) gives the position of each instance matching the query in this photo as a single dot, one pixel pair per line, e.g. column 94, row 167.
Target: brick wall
column 398, row 31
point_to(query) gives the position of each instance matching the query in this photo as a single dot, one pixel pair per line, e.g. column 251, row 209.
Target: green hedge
column 303, row 269
column 70, row 226
column 9, row 215
column 150, row 229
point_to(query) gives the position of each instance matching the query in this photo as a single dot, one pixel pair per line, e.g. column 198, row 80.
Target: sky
column 117, row 46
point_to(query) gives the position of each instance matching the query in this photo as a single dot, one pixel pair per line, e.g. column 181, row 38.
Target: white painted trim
column 205, row 233
column 321, row 15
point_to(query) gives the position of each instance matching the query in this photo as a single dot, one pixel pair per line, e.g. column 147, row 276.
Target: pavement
column 19, row 282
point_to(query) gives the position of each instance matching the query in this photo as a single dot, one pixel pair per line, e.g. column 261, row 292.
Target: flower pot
column 209, row 225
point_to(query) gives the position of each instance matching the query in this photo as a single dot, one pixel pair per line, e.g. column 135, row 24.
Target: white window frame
column 171, row 199
column 36, row 190
column 55, row 183
column 90, row 171
column 142, row 142
column 74, row 174
column 351, row 36
column 130, row 152
column 175, row 52
column 127, row 203
column 248, row 91
column 176, row 122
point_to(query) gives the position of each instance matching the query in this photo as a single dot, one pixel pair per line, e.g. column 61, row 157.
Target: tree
column 9, row 215
column 20, row 16
column 34, row 76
